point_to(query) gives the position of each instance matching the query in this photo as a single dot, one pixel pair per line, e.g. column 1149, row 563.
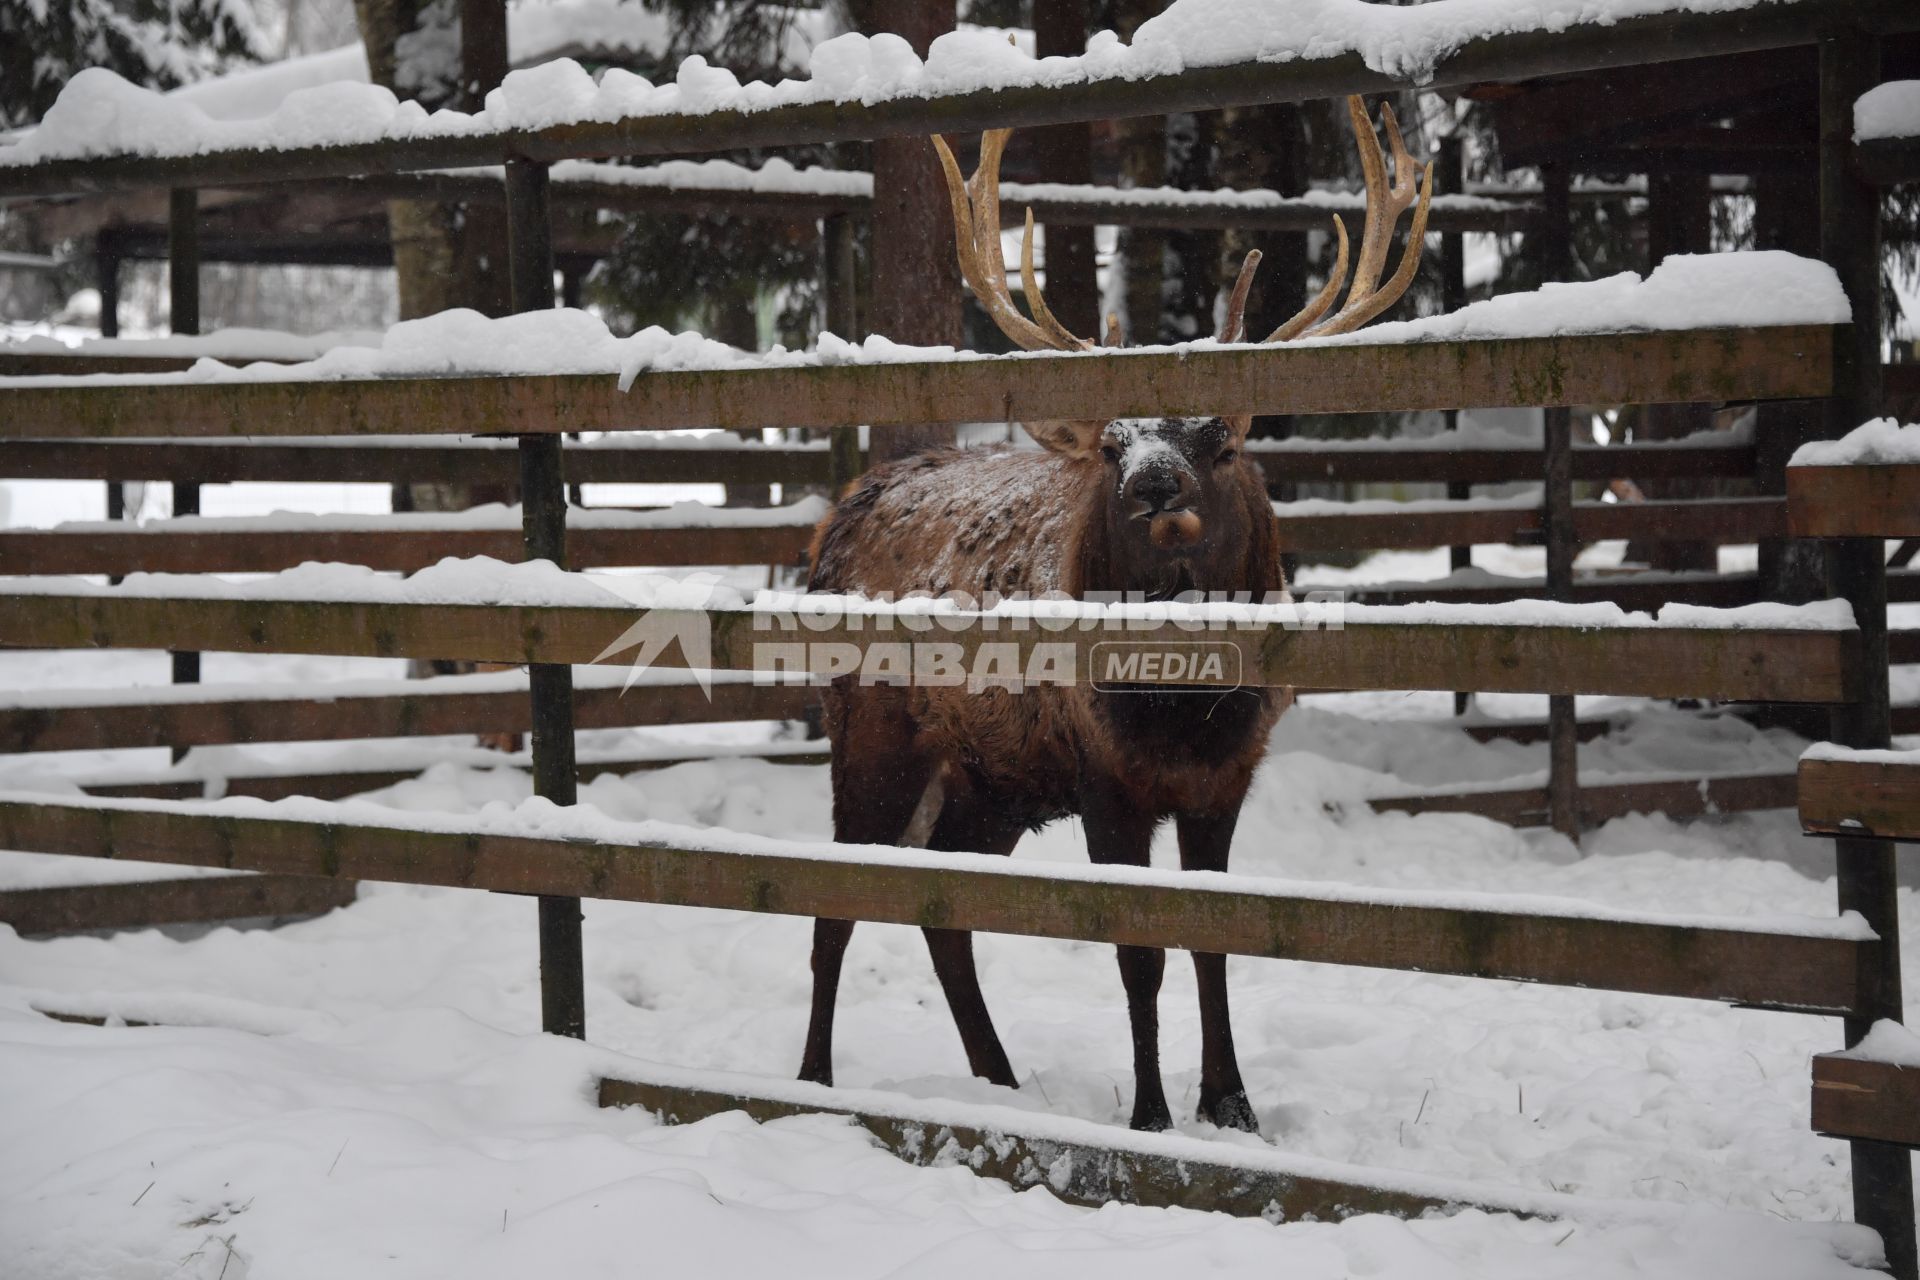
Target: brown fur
column 997, row 520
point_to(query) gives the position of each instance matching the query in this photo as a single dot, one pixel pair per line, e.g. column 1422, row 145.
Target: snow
column 1833, row 751
column 1717, row 290
column 1685, row 291
column 382, row 1070
column 1888, row 1042
column 779, row 177
column 221, row 344
column 1890, row 110
column 98, row 114
column 1879, row 442
column 489, row 516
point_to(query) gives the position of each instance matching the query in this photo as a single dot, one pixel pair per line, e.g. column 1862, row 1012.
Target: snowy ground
column 365, row 1094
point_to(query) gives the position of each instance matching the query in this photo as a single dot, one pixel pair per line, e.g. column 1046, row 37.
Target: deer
column 1157, row 508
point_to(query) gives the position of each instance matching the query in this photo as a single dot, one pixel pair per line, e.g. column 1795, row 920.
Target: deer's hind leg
column 969, row 823
column 879, row 776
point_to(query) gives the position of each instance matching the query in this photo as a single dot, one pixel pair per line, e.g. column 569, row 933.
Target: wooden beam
column 1889, row 162
column 1687, row 365
column 1603, row 802
column 453, row 461
column 1796, row 972
column 1861, row 501
column 1739, row 664
column 460, row 461
column 1429, row 460
column 214, row 720
column 1861, row 1098
column 1121, row 1168
column 1707, row 519
column 209, row 549
column 1860, row 798
column 1522, row 55
column 146, row 903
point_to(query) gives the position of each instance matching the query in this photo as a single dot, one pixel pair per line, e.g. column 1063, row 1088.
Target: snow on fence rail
column 104, row 134
column 720, row 458
column 1860, row 793
column 1791, row 963
column 495, row 702
column 486, row 612
column 1783, row 362
column 685, row 534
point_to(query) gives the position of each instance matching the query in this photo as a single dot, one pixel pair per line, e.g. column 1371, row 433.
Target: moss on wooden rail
column 1617, row 368
column 1768, row 970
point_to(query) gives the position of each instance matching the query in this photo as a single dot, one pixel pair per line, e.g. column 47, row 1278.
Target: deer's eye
column 1110, row 453
column 1226, row 458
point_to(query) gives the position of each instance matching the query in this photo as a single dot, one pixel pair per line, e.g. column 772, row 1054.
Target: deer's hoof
column 1230, row 1111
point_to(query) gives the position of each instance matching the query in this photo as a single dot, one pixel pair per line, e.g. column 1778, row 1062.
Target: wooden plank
column 1682, row 520
column 454, row 461
column 1861, row 1098
column 1640, row 592
column 1854, row 501
column 1689, row 520
column 1429, row 460
column 1860, row 798
column 144, row 904
column 1740, row 664
column 1124, row 1168
column 1602, row 802
column 340, row 784
column 1333, row 461
column 1690, row 365
column 1508, row 56
column 1889, row 162
column 145, row 722
column 210, row 549
column 1126, row 906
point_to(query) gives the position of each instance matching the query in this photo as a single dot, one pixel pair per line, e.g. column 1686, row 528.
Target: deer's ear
column 1076, row 437
column 1237, row 427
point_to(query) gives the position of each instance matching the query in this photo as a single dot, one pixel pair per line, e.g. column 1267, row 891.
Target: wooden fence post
column 183, row 290
column 1563, row 743
column 1453, row 296
column 1856, row 571
column 543, row 505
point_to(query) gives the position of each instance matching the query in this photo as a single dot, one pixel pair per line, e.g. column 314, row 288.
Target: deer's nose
column 1159, row 489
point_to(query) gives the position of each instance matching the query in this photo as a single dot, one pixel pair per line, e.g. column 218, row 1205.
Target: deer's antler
column 976, row 237
column 1385, row 204
column 976, row 226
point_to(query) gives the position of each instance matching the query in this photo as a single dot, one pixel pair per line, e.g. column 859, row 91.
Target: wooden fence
column 1839, row 967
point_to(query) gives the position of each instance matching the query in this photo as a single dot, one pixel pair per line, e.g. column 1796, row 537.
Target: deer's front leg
column 1204, row 842
column 1120, row 831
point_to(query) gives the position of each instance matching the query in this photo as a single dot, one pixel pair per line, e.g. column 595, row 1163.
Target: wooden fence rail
column 1526, row 941
column 1854, row 501
column 1714, row 365
column 472, row 462
column 1866, row 798
column 1375, row 652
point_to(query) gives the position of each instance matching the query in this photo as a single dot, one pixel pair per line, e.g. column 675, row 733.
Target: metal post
column 1864, row 869
column 1556, row 263
column 183, row 296
column 842, row 320
column 1453, row 296
column 543, row 499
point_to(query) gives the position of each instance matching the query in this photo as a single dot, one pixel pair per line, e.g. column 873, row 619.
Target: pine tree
column 158, row 43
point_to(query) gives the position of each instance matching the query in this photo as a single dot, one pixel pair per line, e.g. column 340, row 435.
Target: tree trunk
column 1679, row 220
column 1134, row 279
column 916, row 279
column 445, row 255
column 1064, row 153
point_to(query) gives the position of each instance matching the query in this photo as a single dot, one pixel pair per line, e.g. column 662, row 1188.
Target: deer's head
column 1183, row 504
